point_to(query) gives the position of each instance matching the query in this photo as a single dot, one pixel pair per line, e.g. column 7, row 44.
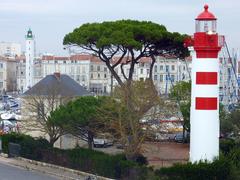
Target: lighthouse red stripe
column 207, row 54
column 206, row 103
column 206, row 78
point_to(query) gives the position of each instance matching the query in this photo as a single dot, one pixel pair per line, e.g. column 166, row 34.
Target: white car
column 102, row 142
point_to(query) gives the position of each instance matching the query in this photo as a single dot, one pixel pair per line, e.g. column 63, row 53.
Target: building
column 91, row 73
column 10, row 49
column 8, row 75
column 45, row 96
column 30, row 56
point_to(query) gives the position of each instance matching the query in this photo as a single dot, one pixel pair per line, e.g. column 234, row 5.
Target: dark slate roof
column 54, row 85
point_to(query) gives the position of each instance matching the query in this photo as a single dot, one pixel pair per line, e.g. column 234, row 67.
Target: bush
column 113, row 166
column 218, row 169
column 30, row 147
column 226, row 145
column 234, row 157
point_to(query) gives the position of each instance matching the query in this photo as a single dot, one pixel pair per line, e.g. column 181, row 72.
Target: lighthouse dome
column 206, row 15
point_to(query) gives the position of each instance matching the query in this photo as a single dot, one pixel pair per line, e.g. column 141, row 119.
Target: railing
column 221, row 40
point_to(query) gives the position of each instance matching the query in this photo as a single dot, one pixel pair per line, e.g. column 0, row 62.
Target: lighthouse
column 204, row 118
column 30, row 49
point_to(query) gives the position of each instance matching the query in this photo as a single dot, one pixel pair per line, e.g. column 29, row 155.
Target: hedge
column 220, row 169
column 116, row 166
column 112, row 166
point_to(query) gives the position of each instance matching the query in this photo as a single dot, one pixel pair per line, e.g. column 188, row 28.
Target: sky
column 50, row 20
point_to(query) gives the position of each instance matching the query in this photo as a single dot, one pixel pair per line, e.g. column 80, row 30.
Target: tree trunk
column 90, row 140
column 52, row 140
column 151, row 67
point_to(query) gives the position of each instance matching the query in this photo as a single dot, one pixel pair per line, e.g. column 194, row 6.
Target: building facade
column 91, row 73
column 8, row 75
column 10, row 49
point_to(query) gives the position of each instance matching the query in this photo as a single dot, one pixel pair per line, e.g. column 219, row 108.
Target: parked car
column 103, row 140
column 179, row 137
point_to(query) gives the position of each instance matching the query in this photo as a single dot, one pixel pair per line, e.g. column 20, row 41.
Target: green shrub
column 226, row 145
column 234, row 157
column 218, row 169
column 112, row 166
column 29, row 146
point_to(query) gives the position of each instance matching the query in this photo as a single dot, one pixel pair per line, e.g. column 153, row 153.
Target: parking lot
column 159, row 154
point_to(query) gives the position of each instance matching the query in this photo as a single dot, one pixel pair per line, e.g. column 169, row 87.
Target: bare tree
column 132, row 125
column 38, row 108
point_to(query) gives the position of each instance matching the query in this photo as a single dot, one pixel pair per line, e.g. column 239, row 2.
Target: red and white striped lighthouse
column 204, row 138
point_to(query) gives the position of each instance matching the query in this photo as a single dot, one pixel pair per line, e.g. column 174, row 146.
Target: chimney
column 57, row 75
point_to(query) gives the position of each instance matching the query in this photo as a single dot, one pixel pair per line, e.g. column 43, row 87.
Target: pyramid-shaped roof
column 56, row 84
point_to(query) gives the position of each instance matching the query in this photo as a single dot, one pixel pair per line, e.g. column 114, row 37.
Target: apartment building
column 92, row 73
column 9, row 49
column 7, row 74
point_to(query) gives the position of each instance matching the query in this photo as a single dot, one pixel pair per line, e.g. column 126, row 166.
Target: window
column 155, row 77
column 167, row 77
column 167, row 68
column 91, row 76
column 98, row 75
column 155, row 68
column 91, row 68
column 78, row 69
column 105, row 75
column 105, row 69
column 98, row 68
column 172, row 78
column 40, row 109
column 173, row 67
column 141, row 65
column 148, row 71
column 184, row 68
column 141, row 71
column 161, row 67
column 161, row 78
column 64, row 62
column 55, row 62
column 83, row 78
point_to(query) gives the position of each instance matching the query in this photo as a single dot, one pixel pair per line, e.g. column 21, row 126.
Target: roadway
column 11, row 172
